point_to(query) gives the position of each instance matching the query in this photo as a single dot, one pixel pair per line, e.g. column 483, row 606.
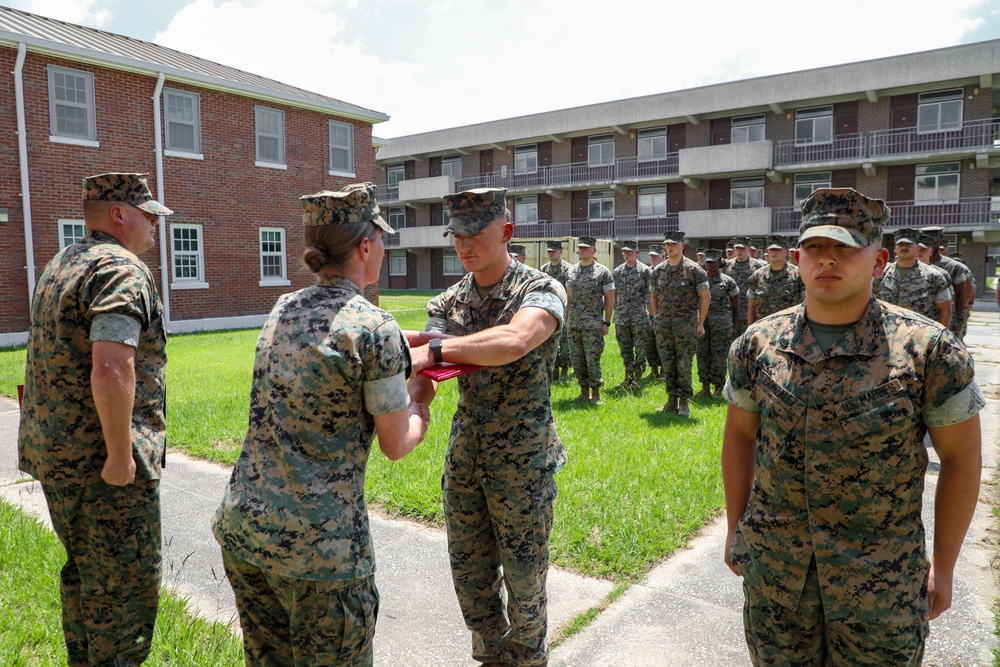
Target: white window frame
column 601, row 150
column 273, row 281
column 450, row 264
column 746, row 192
column 655, row 205
column 815, row 181
column 194, row 123
column 397, row 171
column 397, row 258
column 396, row 217
column 815, row 118
column 341, row 148
column 930, row 108
column 651, row 145
column 68, row 236
column 602, row 198
column 196, row 281
column 747, row 129
column 935, row 173
column 526, row 159
column 260, row 115
column 89, row 106
column 526, row 209
column 451, row 165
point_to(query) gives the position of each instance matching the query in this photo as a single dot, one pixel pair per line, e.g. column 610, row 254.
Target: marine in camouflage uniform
column 503, row 452
column 824, row 462
column 678, row 300
column 656, row 255
column 557, row 268
column 740, row 268
column 910, row 284
column 775, row 286
column 632, row 326
column 96, row 307
column 961, row 279
column 590, row 289
column 713, row 347
column 293, row 524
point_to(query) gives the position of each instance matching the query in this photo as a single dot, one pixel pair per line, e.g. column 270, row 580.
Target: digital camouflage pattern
column 741, row 272
column 352, row 203
column 840, row 459
column 713, row 347
column 843, row 214
column 585, row 289
column 472, row 211
column 959, row 273
column 676, row 321
column 775, row 290
column 503, row 452
column 632, row 325
column 60, row 441
column 327, row 360
column 560, row 272
column 920, row 290
column 301, row 622
column 124, row 187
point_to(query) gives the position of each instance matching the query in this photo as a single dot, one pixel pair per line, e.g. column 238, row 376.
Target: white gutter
column 158, row 142
column 22, row 154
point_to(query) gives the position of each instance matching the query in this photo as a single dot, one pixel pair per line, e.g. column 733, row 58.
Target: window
column 805, row 184
column 397, row 262
column 397, row 217
column 341, row 148
column 445, row 215
column 269, row 127
column 187, row 256
column 452, row 267
column 602, row 204
column 746, row 193
column 394, row 173
column 71, row 231
column 652, row 145
column 183, row 121
column 746, row 129
column 653, row 201
column 272, row 256
column 601, row 150
column 452, row 166
column 814, row 126
column 526, row 209
column 939, row 111
column 71, row 104
column 526, row 159
column 937, row 183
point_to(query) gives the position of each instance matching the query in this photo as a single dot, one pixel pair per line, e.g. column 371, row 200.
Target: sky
column 435, row 64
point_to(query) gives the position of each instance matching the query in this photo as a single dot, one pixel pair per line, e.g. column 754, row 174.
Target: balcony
column 426, row 189
column 725, row 159
column 973, row 136
column 620, row 227
column 726, row 222
column 966, row 212
column 843, row 148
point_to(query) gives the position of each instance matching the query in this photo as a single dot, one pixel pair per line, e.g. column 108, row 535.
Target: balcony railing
column 972, row 134
column 843, row 147
column 621, row 227
column 967, row 211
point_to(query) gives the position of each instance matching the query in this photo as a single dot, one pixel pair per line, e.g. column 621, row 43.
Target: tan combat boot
column 671, row 405
column 718, row 391
column 682, row 408
column 584, row 394
column 706, row 390
column 595, row 396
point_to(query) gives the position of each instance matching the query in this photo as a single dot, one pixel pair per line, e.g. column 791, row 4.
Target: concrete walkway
column 686, row 612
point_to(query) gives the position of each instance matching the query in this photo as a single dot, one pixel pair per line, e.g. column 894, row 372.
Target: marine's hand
column 939, row 591
column 119, row 472
column 420, row 357
column 730, row 538
column 701, row 330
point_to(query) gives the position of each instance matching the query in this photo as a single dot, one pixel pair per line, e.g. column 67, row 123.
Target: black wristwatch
column 435, row 345
column 607, row 324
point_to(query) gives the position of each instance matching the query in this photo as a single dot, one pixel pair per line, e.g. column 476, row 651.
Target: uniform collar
column 502, row 290
column 865, row 339
column 330, row 280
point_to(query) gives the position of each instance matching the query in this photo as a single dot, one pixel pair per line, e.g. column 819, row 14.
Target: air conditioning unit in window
column 503, row 171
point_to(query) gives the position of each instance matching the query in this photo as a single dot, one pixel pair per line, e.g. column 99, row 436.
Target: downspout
column 22, row 153
column 158, row 142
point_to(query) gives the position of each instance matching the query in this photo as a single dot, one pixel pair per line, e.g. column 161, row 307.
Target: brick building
column 918, row 130
column 230, row 152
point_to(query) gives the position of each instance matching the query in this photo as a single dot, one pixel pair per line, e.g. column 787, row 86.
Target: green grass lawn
column 637, row 484
column 31, row 618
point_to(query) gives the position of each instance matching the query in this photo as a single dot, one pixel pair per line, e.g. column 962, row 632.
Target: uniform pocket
column 879, row 425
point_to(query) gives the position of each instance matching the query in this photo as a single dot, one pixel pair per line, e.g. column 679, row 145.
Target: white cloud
column 81, row 12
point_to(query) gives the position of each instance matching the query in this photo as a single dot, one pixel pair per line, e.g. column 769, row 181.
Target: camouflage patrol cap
column 553, row 245
column 776, row 241
column 631, row 246
column 906, row 235
column 673, row 236
column 843, row 214
column 925, row 240
column 657, row 250
column 713, row 254
column 352, row 203
column 935, row 233
column 586, row 242
column 741, row 242
column 517, row 250
column 700, row 251
column 124, row 187
column 730, row 244
column 472, row 211
column 956, row 256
